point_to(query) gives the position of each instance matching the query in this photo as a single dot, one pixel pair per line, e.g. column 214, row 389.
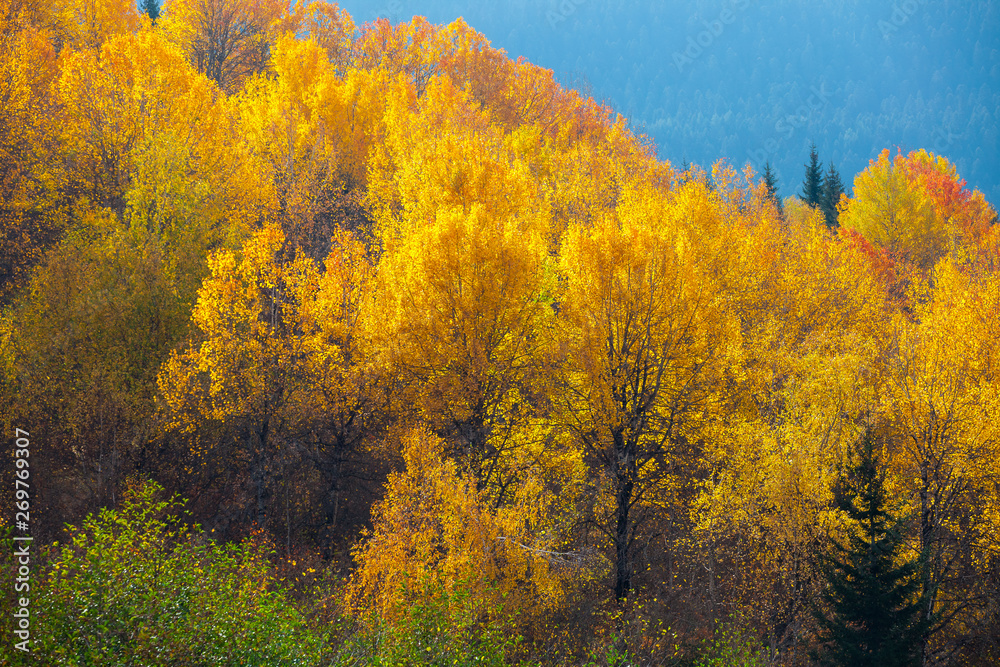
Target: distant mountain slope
column 756, row 81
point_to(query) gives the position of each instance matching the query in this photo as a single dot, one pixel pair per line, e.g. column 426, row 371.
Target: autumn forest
column 327, row 343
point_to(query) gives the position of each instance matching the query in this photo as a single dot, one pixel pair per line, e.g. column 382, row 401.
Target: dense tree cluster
column 451, row 369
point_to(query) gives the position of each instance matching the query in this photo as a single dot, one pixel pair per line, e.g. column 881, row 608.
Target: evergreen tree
column 873, row 604
column 151, row 8
column 832, row 189
column 812, row 187
column 684, row 174
column 771, row 183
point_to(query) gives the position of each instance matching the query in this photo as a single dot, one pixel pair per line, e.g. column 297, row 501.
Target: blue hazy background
column 756, row 81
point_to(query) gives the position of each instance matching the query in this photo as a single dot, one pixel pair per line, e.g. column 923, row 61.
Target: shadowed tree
column 833, row 187
column 771, row 183
column 150, row 8
column 812, row 187
column 873, row 602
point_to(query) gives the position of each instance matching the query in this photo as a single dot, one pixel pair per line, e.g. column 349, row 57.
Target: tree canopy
column 453, row 369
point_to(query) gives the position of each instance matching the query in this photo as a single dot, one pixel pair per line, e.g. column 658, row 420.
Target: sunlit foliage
column 405, row 308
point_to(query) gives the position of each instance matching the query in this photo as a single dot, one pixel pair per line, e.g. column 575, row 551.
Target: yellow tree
column 238, row 374
column 568, row 142
column 795, row 382
column 143, row 193
column 86, row 24
column 226, row 40
column 276, row 367
column 467, row 283
column 766, row 507
column 434, row 531
column 141, row 123
column 941, row 408
column 644, row 330
column 834, row 360
column 515, row 93
column 914, row 207
column 349, row 404
column 301, row 127
column 27, row 143
column 413, row 48
column 333, row 30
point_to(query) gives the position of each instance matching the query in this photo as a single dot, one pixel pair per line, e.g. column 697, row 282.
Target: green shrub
column 731, row 646
column 441, row 629
column 134, row 586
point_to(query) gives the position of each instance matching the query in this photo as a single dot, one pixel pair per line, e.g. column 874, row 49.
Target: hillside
column 332, row 342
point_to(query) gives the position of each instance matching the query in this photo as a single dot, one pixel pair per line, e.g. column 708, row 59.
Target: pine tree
column 812, row 187
column 684, row 175
column 873, row 604
column 151, row 8
column 771, row 183
column 832, row 189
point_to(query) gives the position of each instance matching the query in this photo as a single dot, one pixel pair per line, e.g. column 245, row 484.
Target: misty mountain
column 753, row 81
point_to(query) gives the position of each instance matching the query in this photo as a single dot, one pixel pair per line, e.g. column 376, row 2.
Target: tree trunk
column 624, row 462
column 926, row 537
column 623, row 567
column 259, row 456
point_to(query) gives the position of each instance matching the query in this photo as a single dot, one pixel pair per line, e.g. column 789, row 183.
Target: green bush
column 441, row 629
column 134, row 586
column 732, row 646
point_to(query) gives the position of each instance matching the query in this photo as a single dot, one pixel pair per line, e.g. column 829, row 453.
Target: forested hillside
column 739, row 78
column 329, row 342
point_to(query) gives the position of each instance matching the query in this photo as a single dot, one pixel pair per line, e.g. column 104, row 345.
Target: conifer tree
column 684, row 174
column 771, row 183
column 150, row 8
column 872, row 613
column 812, row 187
column 832, row 189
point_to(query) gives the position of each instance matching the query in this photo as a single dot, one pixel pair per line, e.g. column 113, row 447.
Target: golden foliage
column 307, row 242
column 434, row 527
column 916, row 208
column 226, row 40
